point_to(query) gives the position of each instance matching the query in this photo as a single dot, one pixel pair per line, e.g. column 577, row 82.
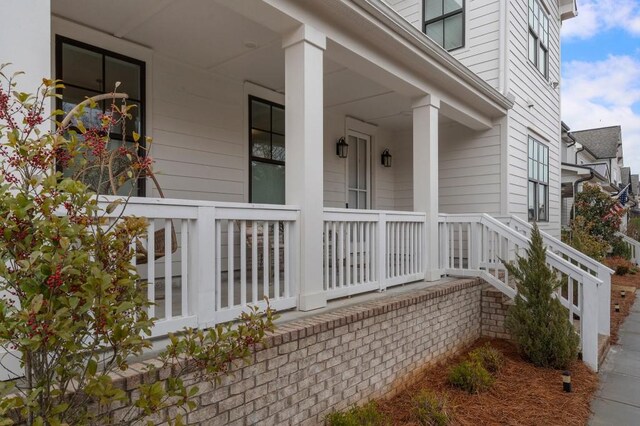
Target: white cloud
column 605, row 93
column 595, row 16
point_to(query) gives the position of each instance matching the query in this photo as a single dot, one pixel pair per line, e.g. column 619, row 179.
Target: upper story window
column 86, row 71
column 267, row 152
column 444, row 22
column 538, row 197
column 539, row 37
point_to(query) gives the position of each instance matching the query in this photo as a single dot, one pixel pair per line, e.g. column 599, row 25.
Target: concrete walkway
column 618, row 399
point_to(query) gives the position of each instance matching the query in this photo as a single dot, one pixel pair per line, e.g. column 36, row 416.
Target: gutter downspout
column 575, row 161
column 575, row 191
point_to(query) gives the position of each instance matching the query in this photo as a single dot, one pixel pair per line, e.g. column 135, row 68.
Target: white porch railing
column 227, row 256
column 367, row 250
column 478, row 245
column 633, row 245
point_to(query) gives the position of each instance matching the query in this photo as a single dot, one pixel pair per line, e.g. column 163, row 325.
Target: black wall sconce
column 342, row 148
column 385, row 159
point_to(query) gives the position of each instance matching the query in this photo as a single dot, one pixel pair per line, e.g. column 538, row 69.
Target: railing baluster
column 341, row 256
column 334, row 243
column 151, row 267
column 287, row 290
column 265, row 259
column 243, row 262
column 168, row 273
column 218, row 261
column 254, row 261
column 184, row 264
column 230, row 268
column 327, row 270
column 349, row 249
column 276, row 260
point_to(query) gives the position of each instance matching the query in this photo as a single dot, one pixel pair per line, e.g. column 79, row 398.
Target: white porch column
column 25, row 41
column 304, row 49
column 425, row 176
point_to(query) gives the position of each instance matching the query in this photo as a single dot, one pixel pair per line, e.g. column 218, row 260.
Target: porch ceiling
column 216, row 39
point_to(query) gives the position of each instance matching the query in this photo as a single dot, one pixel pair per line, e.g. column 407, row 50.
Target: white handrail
column 552, row 242
column 634, row 246
column 476, row 244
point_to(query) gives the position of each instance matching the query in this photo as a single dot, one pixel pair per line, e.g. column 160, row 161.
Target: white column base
column 433, row 275
column 310, row 302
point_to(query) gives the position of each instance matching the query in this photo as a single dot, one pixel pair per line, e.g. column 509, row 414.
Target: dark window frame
column 60, row 40
column 539, row 38
column 537, row 181
column 462, row 11
column 250, row 127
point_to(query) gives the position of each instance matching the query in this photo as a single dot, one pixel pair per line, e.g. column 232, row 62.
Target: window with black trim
column 443, row 22
column 267, row 152
column 86, row 71
column 538, row 192
column 539, row 37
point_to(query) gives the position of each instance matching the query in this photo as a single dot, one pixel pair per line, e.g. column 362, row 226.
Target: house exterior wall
column 496, row 48
column 481, row 51
column 542, row 120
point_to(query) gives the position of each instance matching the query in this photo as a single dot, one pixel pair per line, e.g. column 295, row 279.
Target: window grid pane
column 444, row 22
column 86, row 71
column 539, row 37
column 267, row 147
column 538, row 186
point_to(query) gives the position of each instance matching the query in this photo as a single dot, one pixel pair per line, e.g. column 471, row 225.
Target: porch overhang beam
column 396, row 55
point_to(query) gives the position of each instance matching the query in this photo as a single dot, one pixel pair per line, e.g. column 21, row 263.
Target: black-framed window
column 87, row 70
column 539, row 37
column 443, row 22
column 267, row 152
column 538, row 183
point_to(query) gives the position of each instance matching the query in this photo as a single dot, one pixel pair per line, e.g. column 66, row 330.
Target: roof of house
column 602, row 142
column 635, row 184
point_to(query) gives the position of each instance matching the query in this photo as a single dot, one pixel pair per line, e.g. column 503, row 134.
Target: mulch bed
column 627, row 282
column 521, row 394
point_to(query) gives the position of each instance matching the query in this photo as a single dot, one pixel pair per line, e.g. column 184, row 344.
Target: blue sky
column 601, row 70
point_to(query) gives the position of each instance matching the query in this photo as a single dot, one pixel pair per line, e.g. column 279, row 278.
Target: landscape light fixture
column 566, row 381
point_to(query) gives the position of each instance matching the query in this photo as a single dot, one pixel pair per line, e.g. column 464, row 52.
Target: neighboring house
column 580, row 165
column 388, row 133
column 592, row 156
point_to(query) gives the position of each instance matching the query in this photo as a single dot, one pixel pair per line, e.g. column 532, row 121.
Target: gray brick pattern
column 348, row 356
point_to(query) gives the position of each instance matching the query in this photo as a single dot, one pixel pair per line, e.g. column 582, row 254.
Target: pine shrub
column 537, row 322
column 470, row 376
column 430, row 409
column 489, row 357
column 366, row 415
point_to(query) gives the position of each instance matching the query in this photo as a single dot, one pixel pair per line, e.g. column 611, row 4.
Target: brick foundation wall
column 347, row 356
column 494, row 312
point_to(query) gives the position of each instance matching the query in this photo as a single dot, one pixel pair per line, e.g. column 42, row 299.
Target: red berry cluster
column 55, row 280
column 96, row 141
column 5, row 110
column 33, row 118
column 38, row 328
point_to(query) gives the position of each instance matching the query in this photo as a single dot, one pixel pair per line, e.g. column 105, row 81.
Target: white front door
column 358, row 171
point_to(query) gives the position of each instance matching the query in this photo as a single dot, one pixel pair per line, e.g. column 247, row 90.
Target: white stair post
column 304, row 109
column 589, row 323
column 425, row 177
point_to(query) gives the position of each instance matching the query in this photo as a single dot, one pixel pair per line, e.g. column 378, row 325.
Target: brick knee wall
column 348, row 356
column 494, row 313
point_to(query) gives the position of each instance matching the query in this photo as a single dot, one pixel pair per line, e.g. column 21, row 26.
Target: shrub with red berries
column 72, row 306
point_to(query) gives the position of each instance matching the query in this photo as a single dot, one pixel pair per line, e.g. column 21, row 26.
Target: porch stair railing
column 632, row 245
column 479, row 244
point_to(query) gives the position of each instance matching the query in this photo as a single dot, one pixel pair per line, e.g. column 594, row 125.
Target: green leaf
column 92, row 367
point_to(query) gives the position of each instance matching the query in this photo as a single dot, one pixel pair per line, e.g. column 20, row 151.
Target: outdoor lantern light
column 617, row 307
column 623, row 293
column 386, row 158
column 566, row 381
column 342, row 148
